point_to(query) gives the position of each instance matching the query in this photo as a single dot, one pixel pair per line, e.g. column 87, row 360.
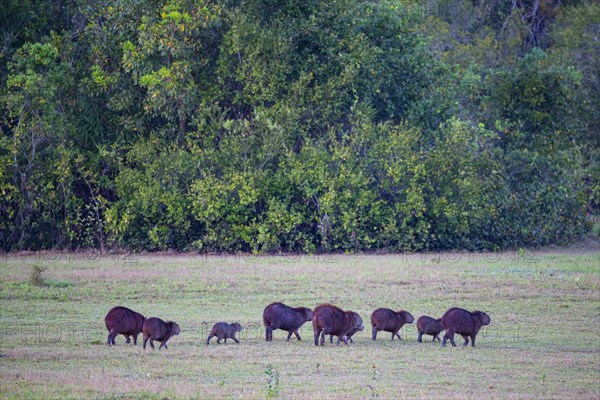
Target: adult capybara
column 159, row 330
column 123, row 321
column 384, row 319
column 223, row 330
column 463, row 322
column 427, row 325
column 332, row 320
column 280, row 316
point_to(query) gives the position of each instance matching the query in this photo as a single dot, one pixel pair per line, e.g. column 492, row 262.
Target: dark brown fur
column 463, row 322
column 159, row 330
column 280, row 316
column 348, row 335
column 384, row 319
column 429, row 326
column 223, row 330
column 332, row 320
column 123, row 321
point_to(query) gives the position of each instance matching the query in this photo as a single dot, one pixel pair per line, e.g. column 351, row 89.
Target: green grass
column 544, row 340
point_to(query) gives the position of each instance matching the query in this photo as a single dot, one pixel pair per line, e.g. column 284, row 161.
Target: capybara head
column 236, row 327
column 308, row 314
column 358, row 322
column 408, row 317
column 174, row 328
column 483, row 317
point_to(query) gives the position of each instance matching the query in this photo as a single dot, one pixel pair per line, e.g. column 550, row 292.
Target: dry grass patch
column 542, row 343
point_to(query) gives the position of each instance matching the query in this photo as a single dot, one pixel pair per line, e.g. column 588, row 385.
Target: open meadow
column 543, row 342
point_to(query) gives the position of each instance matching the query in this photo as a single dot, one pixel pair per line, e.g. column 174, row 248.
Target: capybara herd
column 326, row 319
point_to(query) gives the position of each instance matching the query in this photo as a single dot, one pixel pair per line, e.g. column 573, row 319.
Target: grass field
column 544, row 340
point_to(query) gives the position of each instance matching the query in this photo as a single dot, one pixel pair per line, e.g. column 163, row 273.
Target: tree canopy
column 288, row 125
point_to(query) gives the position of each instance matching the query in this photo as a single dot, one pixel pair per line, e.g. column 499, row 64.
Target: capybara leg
column 111, row 337
column 237, row 341
column 466, row 340
column 269, row 334
column 225, row 340
column 473, row 340
column 127, row 339
column 163, row 344
column 436, row 337
column 452, row 340
column 297, row 335
column 323, row 338
column 135, row 338
column 420, row 338
column 218, row 340
column 449, row 336
column 208, row 339
column 152, row 343
column 330, row 338
column 317, row 334
column 145, row 340
column 343, row 339
column 290, row 333
column 374, row 331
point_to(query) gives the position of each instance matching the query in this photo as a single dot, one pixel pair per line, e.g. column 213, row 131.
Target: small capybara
column 332, row 320
column 429, row 326
column 223, row 330
column 348, row 335
column 280, row 316
column 384, row 319
column 123, row 321
column 159, row 330
column 463, row 322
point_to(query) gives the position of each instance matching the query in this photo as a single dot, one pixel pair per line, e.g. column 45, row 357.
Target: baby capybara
column 223, row 330
column 123, row 321
column 429, row 326
column 384, row 319
column 159, row 330
column 332, row 320
column 348, row 335
column 463, row 322
column 280, row 316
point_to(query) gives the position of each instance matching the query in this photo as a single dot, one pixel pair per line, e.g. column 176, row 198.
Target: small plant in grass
column 273, row 381
column 36, row 276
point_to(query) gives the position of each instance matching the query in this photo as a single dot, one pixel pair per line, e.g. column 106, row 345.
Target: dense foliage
column 298, row 125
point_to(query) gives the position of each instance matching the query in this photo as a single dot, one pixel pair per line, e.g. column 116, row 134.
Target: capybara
column 223, row 330
column 332, row 320
column 384, row 319
column 463, row 322
column 280, row 316
column 429, row 326
column 123, row 321
column 159, row 330
column 348, row 335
